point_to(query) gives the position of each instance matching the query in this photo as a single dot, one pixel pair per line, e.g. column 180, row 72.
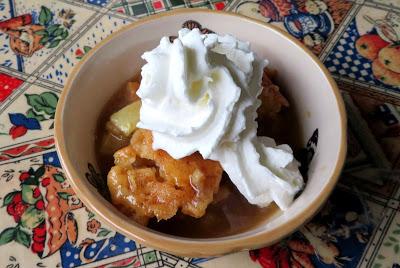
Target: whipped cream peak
column 200, row 93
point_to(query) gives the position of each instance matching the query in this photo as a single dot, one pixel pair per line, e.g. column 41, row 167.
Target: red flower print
column 19, row 209
column 290, row 254
column 265, row 256
column 17, row 198
column 17, row 131
column 37, row 247
column 219, row 5
column 24, row 176
column 10, row 209
column 157, row 5
column 16, row 208
column 79, row 52
column 38, row 238
column 45, row 182
column 39, row 230
column 39, row 205
column 21, row 124
column 36, row 192
column 93, row 225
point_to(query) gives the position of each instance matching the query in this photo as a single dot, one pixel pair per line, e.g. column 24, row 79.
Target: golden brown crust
column 145, row 183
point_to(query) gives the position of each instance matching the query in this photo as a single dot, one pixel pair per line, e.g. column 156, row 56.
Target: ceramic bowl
column 310, row 89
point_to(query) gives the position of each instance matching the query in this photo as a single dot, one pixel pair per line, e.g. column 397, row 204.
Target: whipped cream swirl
column 200, row 93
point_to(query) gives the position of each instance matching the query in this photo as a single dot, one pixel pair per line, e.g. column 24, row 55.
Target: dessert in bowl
column 194, row 173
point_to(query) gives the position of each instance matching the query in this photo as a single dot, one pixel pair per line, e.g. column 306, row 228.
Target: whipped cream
column 200, row 93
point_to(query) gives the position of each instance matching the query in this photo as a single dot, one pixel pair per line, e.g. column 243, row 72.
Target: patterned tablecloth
column 43, row 223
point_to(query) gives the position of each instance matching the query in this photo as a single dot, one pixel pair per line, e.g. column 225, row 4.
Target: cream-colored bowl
column 311, row 90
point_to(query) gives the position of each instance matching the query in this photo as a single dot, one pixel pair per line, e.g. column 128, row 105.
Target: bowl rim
column 180, row 245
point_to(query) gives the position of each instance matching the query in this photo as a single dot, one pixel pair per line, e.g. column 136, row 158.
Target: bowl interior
column 117, row 60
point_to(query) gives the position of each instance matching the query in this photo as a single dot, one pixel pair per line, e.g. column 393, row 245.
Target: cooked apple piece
column 127, row 118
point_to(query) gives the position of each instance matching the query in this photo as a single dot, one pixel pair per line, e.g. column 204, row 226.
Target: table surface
column 41, row 41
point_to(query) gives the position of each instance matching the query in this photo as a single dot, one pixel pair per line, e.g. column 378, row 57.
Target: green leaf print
column 90, row 215
column 86, row 49
column 32, row 114
column 45, row 16
column 63, row 195
column 54, row 43
column 8, row 198
column 58, row 177
column 7, row 235
column 53, row 28
column 45, row 102
column 103, row 232
column 64, row 35
column 23, row 238
column 58, row 32
column 41, row 32
column 44, row 39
